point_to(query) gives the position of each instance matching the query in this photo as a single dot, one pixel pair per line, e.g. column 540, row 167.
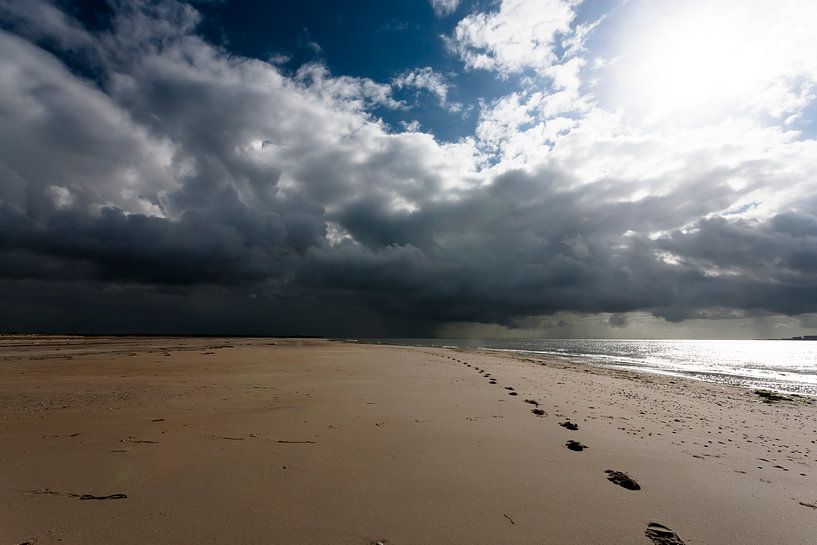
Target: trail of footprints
column 657, row 533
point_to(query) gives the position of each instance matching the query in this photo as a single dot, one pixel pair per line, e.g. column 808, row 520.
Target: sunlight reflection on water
column 787, row 366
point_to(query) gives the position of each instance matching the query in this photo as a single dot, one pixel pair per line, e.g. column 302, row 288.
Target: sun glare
column 693, row 62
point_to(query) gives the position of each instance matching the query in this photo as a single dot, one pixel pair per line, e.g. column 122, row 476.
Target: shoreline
column 313, row 441
column 597, row 360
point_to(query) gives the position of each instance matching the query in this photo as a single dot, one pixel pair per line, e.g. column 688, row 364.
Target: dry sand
column 315, row 442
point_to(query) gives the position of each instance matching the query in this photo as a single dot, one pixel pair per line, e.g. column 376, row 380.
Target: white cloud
column 444, row 7
column 507, row 116
column 575, row 43
column 279, row 58
column 429, row 80
column 357, row 93
column 411, row 126
column 521, row 35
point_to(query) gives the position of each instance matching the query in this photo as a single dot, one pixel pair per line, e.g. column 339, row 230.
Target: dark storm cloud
column 769, row 265
column 618, row 320
column 202, row 191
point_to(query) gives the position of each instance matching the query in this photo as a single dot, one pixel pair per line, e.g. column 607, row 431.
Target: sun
column 691, row 61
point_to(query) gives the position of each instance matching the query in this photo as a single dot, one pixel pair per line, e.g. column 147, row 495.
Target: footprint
column 661, row 535
column 512, row 394
column 538, row 412
column 509, row 387
column 622, row 479
column 569, row 425
column 575, row 445
column 532, row 402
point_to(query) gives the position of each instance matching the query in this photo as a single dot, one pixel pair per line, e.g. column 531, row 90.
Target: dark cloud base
column 213, row 273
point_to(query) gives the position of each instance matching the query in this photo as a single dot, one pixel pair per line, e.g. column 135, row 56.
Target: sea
column 788, row 366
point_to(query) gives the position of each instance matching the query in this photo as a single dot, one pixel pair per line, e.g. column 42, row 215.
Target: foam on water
column 786, row 366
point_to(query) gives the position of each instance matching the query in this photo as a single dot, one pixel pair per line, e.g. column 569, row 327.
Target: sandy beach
column 203, row 440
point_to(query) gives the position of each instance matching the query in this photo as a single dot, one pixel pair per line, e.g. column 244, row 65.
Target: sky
column 487, row 168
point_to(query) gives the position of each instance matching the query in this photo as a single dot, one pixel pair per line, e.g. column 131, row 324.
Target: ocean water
column 784, row 366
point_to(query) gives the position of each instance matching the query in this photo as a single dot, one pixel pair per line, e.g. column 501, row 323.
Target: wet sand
column 180, row 440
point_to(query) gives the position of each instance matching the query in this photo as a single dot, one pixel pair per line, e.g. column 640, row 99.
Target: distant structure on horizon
column 801, row 338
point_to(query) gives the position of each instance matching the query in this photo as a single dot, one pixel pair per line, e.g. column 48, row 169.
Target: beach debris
column 538, row 412
column 52, row 492
column 661, row 535
column 622, row 479
column 770, row 396
column 806, row 504
column 569, row 425
column 507, row 516
column 108, row 497
column 575, row 446
column 80, row 496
